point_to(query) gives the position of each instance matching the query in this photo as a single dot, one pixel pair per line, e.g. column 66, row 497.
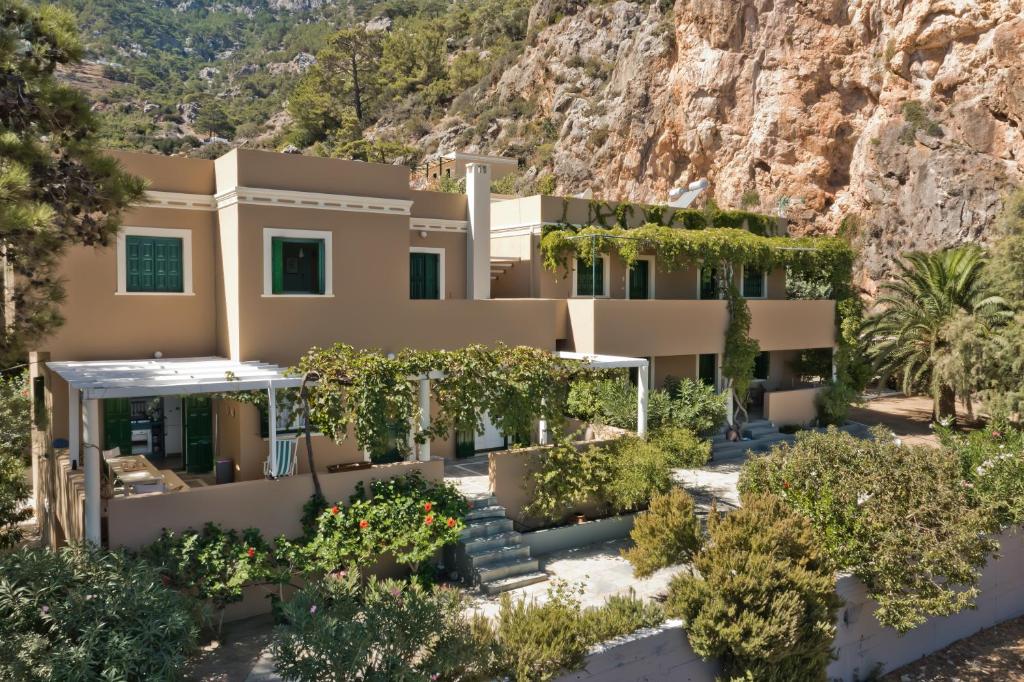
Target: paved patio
column 469, row 475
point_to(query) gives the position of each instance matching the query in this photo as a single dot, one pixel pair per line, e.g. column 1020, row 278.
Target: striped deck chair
column 282, row 462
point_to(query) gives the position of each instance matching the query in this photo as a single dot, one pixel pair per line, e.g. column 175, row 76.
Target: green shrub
column 695, row 405
column 763, row 597
column 531, row 641
column 668, row 533
column 83, row 613
column 899, row 517
column 341, row 628
column 566, row 478
column 992, row 462
column 683, row 446
column 684, row 403
column 15, row 432
column 639, row 470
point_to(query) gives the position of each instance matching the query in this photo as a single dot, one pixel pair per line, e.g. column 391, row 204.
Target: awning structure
column 98, row 379
column 618, row 362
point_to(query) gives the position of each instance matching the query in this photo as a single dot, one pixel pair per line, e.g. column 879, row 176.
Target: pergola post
column 424, row 396
column 272, row 420
column 74, row 426
column 91, row 454
column 642, row 380
column 542, row 429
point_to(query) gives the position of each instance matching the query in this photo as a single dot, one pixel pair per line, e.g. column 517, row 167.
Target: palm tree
column 933, row 297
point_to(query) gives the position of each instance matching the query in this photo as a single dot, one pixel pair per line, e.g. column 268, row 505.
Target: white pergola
column 91, row 381
column 615, row 362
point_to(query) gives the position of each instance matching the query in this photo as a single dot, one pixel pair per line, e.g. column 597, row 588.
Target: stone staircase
column 499, row 266
column 764, row 435
column 490, row 554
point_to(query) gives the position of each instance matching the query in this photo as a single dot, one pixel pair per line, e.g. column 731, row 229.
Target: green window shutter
column 424, row 276
column 154, row 264
column 753, row 283
column 639, row 280
column 590, row 278
column 117, row 425
column 416, row 276
column 321, row 266
column 277, row 260
column 432, row 285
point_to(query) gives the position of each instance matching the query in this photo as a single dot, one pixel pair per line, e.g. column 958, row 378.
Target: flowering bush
column 82, row 613
column 406, row 517
column 340, row 628
column 902, row 519
column 992, row 462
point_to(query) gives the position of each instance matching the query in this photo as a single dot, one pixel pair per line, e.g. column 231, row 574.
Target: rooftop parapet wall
column 442, row 205
column 169, row 173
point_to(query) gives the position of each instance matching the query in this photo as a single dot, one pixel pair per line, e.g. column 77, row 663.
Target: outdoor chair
column 282, row 461
column 111, row 453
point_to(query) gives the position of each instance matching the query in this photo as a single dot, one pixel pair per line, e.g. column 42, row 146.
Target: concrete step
column 735, row 450
column 499, row 555
column 485, row 528
column 491, row 542
column 515, row 582
column 479, row 502
column 756, row 429
column 490, row 512
column 506, row 569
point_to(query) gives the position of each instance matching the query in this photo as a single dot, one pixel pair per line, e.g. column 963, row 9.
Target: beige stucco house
column 255, row 257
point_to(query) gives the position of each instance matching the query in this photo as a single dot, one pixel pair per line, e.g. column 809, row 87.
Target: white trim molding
column 122, row 258
column 650, row 278
column 440, row 266
column 331, row 202
column 606, row 263
column 268, row 257
column 438, row 225
column 764, row 284
column 193, row 202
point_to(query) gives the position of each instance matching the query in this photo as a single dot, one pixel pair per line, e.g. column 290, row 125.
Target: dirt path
column 993, row 654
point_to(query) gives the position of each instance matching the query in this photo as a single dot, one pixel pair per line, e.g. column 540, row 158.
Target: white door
column 491, row 437
column 172, row 426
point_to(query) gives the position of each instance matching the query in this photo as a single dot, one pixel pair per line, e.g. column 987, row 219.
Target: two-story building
column 235, row 267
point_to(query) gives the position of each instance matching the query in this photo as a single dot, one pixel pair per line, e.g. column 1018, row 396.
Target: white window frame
column 440, row 268
column 650, row 277
column 167, row 232
column 764, row 284
column 268, row 259
column 700, row 272
column 606, row 263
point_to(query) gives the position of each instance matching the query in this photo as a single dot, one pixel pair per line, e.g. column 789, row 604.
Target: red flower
column 334, row 510
column 785, row 485
column 427, row 507
column 451, row 522
column 429, row 520
column 363, row 523
column 251, row 552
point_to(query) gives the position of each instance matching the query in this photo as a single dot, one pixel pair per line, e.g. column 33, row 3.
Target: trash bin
column 225, row 471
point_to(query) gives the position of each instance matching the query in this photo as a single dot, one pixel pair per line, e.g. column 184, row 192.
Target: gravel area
column 993, row 654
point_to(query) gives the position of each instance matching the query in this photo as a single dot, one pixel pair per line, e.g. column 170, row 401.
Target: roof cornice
column 331, row 202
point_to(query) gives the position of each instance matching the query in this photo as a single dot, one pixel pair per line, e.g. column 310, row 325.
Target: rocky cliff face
column 900, row 120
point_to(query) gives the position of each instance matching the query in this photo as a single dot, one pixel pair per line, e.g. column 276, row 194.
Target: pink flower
column 251, row 552
column 334, row 510
column 312, row 609
column 395, row 591
column 427, row 507
column 363, row 523
column 451, row 522
column 429, row 520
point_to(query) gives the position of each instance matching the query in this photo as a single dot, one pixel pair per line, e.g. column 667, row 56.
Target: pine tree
column 667, row 533
column 56, row 187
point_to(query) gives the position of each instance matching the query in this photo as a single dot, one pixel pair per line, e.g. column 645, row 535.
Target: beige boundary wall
column 861, row 643
column 795, row 406
column 274, row 507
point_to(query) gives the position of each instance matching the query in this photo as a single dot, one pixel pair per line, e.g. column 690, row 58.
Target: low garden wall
column 551, row 540
column 862, row 646
column 795, row 406
column 274, row 507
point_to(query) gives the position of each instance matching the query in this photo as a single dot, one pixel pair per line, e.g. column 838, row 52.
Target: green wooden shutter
column 153, row 264
column 431, row 286
column 639, row 280
column 133, row 264
column 198, row 433
column 277, row 260
column 321, row 266
column 590, row 278
column 416, row 276
column 117, row 424
column 424, row 275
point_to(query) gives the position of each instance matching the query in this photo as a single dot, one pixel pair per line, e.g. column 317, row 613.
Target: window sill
column 586, row 297
column 296, row 295
column 154, row 293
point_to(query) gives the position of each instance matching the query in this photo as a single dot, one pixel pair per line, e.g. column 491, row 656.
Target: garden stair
column 490, row 553
column 765, row 435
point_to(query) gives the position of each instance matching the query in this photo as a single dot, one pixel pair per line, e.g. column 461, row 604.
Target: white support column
column 271, row 422
column 642, row 379
column 835, row 370
column 425, row 417
column 730, row 409
column 91, row 455
column 74, row 426
column 478, row 246
column 542, row 430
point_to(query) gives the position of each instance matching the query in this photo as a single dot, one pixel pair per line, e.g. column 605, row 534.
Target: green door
column 706, row 369
column 639, row 279
column 198, row 434
column 117, row 425
column 424, row 275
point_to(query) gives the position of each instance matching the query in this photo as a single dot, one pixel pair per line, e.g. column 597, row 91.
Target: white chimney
column 478, row 244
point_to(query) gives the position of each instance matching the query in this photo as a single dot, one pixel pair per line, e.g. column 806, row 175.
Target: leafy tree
column 56, row 187
column 213, row 120
column 15, row 432
column 931, row 293
column 763, row 597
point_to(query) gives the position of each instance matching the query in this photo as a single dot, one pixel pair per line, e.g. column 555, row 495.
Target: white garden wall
column 861, row 643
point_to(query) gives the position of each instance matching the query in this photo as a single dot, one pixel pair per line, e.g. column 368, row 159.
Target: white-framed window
column 640, row 278
column 754, row 283
column 297, row 262
column 591, row 280
column 426, row 273
column 154, row 261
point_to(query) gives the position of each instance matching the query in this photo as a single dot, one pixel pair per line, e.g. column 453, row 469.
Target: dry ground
column 993, row 654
